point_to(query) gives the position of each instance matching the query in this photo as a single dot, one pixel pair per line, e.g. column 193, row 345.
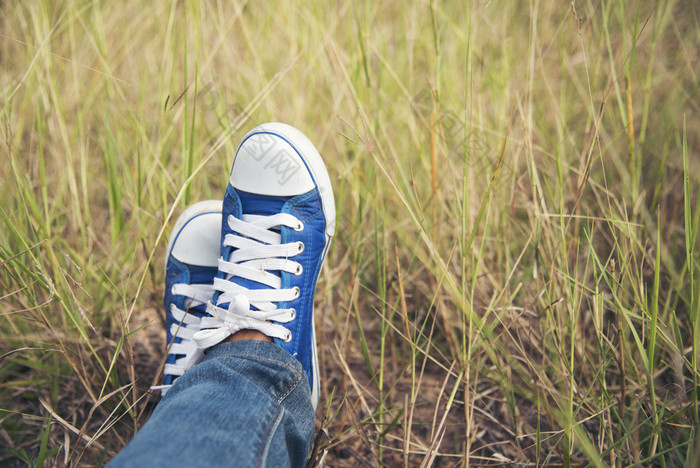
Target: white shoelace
column 185, row 326
column 258, row 252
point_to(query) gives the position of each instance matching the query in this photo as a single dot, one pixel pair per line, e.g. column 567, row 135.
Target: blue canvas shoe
column 278, row 220
column 191, row 263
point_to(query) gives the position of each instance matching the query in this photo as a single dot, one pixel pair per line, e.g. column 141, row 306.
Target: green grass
column 515, row 277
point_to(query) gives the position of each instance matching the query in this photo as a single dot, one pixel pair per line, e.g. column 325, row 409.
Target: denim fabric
column 246, row 404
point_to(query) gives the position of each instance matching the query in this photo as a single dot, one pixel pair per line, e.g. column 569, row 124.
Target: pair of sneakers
column 252, row 261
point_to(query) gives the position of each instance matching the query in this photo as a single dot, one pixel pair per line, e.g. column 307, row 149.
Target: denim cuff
column 260, row 348
column 265, row 364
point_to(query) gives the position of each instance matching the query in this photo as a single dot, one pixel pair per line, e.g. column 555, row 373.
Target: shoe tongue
column 202, row 275
column 264, row 205
column 255, row 204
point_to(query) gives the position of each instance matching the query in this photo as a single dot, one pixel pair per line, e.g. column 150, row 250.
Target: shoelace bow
column 185, row 326
column 258, row 251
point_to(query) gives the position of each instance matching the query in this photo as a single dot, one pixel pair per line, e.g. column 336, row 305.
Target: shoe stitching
column 308, row 237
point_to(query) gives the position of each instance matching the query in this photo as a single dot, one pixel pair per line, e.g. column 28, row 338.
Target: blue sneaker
column 191, row 263
column 278, row 220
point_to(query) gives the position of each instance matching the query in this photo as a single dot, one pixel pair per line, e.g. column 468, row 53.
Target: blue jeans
column 247, row 403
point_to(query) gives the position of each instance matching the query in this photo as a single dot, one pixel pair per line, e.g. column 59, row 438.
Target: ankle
column 248, row 335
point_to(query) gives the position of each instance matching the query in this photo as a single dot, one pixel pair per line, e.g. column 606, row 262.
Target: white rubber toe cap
column 196, row 237
column 268, row 165
column 277, row 159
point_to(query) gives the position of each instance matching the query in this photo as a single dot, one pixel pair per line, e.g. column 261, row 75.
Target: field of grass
column 515, row 278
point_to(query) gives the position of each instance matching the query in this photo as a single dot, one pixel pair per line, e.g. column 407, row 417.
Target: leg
column 247, row 404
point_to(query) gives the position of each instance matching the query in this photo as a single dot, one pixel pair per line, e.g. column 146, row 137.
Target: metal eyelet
column 299, row 227
column 288, row 338
column 300, row 246
column 293, row 313
column 297, row 292
column 299, row 270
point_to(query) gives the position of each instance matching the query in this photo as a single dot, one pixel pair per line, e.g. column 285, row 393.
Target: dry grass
column 515, row 278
